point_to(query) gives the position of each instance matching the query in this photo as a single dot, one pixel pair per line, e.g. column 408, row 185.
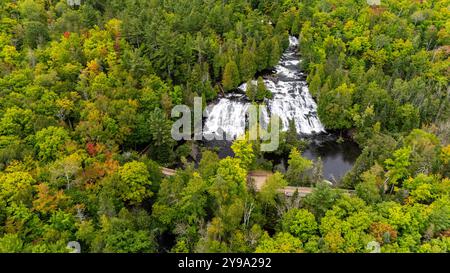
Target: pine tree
column 275, row 53
column 295, row 29
column 261, row 90
column 315, row 84
column 210, row 92
column 263, row 54
column 292, row 135
column 230, row 76
column 247, row 64
column 250, row 90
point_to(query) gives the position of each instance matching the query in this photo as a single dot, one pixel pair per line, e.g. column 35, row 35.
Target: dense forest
column 86, row 93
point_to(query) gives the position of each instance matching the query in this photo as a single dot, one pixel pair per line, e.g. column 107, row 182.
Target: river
column 291, row 101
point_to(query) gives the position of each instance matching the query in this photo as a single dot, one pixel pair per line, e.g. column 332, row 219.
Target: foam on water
column 291, row 101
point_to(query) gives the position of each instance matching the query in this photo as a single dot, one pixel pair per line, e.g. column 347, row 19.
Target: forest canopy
column 86, row 93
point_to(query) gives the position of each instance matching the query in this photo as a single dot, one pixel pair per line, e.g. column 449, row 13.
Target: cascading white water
column 227, row 116
column 291, row 101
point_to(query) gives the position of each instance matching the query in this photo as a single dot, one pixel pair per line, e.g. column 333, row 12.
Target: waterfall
column 291, row 101
column 227, row 116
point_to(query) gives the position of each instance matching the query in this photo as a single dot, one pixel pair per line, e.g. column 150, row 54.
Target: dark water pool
column 337, row 157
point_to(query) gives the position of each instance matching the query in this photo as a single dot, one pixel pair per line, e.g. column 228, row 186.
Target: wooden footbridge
column 259, row 179
column 168, row 172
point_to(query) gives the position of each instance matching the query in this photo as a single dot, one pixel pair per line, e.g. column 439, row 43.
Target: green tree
column 17, row 122
column 369, row 189
column 334, row 107
column 161, row 138
column 49, row 142
column 35, row 25
column 16, row 186
column 247, row 65
column 270, row 189
column 261, row 91
column 300, row 223
column 321, row 199
column 250, row 90
column 124, row 234
column 409, row 117
column 275, row 53
column 208, row 164
column 297, row 172
column 229, row 189
column 243, row 150
column 344, row 226
column 280, row 243
column 231, row 78
column 134, row 182
column 398, row 167
column 11, row 243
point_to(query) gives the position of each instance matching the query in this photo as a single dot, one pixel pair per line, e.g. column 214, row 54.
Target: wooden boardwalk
column 168, row 172
column 302, row 191
column 259, row 179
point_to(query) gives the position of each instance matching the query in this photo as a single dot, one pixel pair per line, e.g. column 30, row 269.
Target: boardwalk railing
column 259, row 179
column 168, row 172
